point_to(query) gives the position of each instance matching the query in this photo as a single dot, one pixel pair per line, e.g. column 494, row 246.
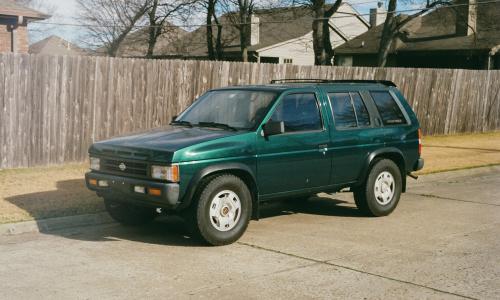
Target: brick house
column 14, row 19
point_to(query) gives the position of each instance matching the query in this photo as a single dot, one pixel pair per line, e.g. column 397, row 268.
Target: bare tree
column 321, row 12
column 395, row 22
column 323, row 50
column 108, row 21
column 215, row 52
column 239, row 14
column 158, row 13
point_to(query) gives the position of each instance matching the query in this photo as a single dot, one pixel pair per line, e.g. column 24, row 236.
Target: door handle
column 323, row 148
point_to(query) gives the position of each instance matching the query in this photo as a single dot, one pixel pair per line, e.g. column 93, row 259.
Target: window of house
column 388, row 108
column 287, row 60
column 269, row 60
column 349, row 110
column 299, row 112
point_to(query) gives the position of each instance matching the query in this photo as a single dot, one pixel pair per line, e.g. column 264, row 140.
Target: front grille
column 136, row 169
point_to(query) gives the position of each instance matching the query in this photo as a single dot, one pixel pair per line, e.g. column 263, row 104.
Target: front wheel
column 223, row 210
column 129, row 214
column 380, row 194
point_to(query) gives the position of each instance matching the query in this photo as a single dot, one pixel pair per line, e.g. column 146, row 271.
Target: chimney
column 377, row 15
column 466, row 17
column 254, row 30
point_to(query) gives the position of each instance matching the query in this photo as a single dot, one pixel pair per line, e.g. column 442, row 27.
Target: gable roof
column 434, row 31
column 276, row 25
column 11, row 8
column 54, row 45
column 136, row 43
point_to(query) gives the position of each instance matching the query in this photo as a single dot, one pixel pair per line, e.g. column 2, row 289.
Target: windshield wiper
column 182, row 123
column 217, row 125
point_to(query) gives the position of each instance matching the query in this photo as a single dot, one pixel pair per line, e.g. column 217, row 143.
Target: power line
column 265, row 22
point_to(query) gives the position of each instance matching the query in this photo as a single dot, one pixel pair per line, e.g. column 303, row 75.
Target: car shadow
column 317, row 205
column 71, row 195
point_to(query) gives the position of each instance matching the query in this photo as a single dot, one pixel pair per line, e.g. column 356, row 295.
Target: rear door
column 296, row 159
column 355, row 133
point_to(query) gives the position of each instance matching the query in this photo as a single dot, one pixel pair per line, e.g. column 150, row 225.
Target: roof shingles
column 434, row 31
column 11, row 8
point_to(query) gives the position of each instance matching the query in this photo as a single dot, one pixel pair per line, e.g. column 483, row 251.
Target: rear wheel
column 129, row 214
column 380, row 194
column 223, row 210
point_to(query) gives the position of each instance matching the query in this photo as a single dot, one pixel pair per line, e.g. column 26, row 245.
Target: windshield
column 240, row 109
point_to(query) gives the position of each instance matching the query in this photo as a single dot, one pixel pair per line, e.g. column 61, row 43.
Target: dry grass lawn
column 38, row 193
column 453, row 152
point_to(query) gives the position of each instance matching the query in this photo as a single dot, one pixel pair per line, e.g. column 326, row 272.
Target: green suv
column 237, row 147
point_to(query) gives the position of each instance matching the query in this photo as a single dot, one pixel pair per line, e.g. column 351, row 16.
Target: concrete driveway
column 443, row 241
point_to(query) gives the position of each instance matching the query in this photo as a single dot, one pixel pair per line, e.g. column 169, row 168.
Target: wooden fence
column 53, row 107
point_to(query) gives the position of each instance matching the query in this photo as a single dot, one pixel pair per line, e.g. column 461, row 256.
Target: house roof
column 276, row 25
column 54, row 45
column 136, row 43
column 434, row 31
column 11, row 8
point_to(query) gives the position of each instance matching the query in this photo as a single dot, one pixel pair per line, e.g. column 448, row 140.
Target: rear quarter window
column 389, row 110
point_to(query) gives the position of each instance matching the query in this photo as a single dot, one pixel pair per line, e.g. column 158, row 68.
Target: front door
column 298, row 158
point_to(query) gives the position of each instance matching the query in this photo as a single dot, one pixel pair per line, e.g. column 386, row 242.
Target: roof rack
column 300, row 80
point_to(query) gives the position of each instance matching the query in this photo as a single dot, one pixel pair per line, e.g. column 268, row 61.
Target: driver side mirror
column 274, row 128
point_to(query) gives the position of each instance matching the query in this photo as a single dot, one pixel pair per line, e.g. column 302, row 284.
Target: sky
column 65, row 11
column 62, row 11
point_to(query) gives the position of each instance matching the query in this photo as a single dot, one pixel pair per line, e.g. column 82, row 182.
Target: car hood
column 158, row 144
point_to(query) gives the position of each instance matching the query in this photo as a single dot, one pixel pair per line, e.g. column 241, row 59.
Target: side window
column 299, row 112
column 349, row 110
column 360, row 109
column 388, row 108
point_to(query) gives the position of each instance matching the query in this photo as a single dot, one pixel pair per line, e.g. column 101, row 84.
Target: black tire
column 364, row 196
column 199, row 214
column 129, row 214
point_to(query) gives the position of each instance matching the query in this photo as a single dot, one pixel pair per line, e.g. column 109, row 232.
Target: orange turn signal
column 154, row 192
column 93, row 181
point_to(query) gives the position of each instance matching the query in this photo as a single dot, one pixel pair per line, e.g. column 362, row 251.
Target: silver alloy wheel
column 225, row 210
column 384, row 188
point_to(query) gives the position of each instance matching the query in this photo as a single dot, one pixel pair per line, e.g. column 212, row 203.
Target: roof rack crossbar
column 307, row 80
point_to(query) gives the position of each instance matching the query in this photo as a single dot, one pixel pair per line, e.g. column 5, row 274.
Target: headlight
column 95, row 163
column 170, row 173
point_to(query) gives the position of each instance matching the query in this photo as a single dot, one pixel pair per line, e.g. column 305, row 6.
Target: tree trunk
column 210, row 35
column 318, row 27
column 243, row 27
column 153, row 29
column 115, row 45
column 388, row 34
column 218, row 41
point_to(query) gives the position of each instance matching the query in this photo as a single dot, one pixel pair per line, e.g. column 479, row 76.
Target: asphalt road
column 443, row 241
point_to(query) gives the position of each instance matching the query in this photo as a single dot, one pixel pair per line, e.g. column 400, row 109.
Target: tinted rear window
column 388, row 108
column 349, row 110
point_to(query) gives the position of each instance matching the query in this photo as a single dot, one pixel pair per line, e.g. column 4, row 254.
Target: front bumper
column 122, row 189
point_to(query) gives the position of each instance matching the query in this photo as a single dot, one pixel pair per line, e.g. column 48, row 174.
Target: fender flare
column 188, row 195
column 381, row 152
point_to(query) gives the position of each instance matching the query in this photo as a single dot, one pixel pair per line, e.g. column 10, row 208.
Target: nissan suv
column 237, row 147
